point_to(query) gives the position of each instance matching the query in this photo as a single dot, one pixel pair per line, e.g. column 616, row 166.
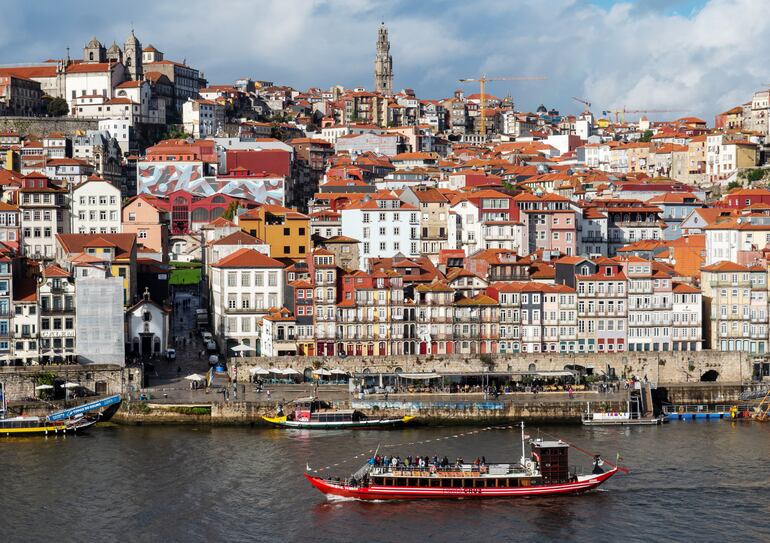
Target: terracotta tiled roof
column 55, row 271
column 76, row 243
column 237, row 238
column 248, row 258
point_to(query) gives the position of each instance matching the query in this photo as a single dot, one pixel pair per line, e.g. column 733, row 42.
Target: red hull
column 411, row 493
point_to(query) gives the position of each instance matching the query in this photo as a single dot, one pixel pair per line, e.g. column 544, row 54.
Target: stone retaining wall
column 39, row 126
column 659, row 367
column 20, row 381
column 461, row 412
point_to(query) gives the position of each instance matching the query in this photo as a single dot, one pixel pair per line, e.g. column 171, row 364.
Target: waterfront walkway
column 178, row 391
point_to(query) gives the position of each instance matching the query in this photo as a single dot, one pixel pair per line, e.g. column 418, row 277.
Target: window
column 232, row 279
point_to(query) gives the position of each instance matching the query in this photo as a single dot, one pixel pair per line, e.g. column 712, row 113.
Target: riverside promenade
column 175, row 402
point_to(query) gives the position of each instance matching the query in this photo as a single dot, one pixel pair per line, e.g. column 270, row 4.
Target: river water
column 692, row 482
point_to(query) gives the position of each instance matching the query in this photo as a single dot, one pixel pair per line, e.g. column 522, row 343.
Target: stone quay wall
column 20, row 381
column 659, row 367
column 546, row 410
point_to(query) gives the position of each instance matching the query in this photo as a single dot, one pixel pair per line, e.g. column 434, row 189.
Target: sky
column 697, row 57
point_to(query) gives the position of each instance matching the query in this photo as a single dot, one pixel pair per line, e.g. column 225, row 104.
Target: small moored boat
column 545, row 472
column 15, row 426
column 629, row 417
column 312, row 413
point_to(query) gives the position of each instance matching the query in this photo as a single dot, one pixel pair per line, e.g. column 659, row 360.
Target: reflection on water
column 688, row 482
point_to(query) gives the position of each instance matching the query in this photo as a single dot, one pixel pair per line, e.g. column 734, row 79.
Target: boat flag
column 307, row 466
column 618, row 458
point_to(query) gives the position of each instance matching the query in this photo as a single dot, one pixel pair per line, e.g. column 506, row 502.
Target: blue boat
column 703, row 412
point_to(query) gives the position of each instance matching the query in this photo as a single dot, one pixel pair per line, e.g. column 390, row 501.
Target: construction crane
column 583, row 101
column 482, row 81
column 622, row 112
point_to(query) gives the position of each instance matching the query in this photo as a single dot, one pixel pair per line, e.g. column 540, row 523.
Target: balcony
column 241, row 311
column 57, row 310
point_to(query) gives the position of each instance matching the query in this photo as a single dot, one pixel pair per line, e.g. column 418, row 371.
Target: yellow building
column 285, row 230
column 735, row 307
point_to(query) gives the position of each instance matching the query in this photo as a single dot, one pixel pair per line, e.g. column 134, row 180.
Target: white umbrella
column 71, row 385
column 43, row 387
column 322, row 371
column 195, row 377
column 241, row 348
column 49, row 353
column 5, row 358
column 277, row 371
column 259, row 371
column 338, row 371
column 290, row 371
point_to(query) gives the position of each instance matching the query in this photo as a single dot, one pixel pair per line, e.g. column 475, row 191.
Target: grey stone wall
column 39, row 126
column 20, row 382
column 659, row 368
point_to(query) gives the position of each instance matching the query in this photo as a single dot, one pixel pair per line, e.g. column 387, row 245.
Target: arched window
column 91, row 55
column 200, row 214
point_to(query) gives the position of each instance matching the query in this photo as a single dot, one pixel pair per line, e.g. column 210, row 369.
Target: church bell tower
column 132, row 55
column 383, row 63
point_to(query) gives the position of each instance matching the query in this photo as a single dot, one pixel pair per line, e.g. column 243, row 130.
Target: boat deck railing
column 464, row 470
column 678, row 409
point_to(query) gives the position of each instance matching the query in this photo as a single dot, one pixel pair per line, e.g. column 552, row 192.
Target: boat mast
column 523, row 451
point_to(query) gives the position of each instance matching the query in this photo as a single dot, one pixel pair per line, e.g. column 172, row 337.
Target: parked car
column 171, row 354
column 211, row 345
column 206, row 336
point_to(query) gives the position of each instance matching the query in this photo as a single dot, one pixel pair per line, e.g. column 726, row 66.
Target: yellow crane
column 622, row 112
column 583, row 101
column 482, row 81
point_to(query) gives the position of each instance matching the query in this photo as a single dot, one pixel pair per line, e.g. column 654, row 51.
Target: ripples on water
column 689, row 482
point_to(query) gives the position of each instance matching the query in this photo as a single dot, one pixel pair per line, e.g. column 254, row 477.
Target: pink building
column 549, row 223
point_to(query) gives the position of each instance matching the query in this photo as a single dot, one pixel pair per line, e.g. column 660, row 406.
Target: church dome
column 113, row 48
column 93, row 43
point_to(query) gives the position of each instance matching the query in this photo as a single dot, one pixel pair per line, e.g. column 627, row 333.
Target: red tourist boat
column 545, row 472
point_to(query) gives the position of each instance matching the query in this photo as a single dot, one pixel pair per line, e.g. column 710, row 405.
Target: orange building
column 285, row 230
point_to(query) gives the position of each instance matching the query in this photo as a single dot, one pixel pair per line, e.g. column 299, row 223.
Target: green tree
column 57, row 107
column 733, row 185
column 646, row 137
column 752, row 175
column 231, row 211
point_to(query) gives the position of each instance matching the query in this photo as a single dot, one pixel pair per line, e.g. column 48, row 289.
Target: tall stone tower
column 383, row 63
column 132, row 55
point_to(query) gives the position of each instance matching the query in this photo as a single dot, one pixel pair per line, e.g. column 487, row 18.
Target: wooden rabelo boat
column 544, row 472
